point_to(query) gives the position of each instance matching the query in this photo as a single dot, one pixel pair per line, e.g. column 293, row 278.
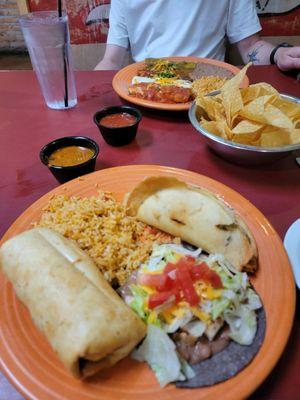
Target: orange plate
column 123, row 79
column 31, row 365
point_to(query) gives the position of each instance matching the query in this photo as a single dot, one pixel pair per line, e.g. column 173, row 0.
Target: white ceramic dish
column 292, row 245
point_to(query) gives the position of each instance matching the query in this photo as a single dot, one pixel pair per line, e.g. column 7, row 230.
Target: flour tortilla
column 87, row 324
column 195, row 215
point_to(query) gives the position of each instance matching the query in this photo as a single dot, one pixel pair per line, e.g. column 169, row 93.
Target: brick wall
column 11, row 38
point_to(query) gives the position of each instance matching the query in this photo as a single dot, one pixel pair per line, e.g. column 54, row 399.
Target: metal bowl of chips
column 238, row 153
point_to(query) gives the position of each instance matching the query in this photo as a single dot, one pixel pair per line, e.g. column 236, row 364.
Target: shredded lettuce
column 219, row 260
column 219, row 306
column 138, row 302
column 183, row 250
column 154, row 264
column 195, row 328
column 236, row 306
column 159, row 351
column 213, row 328
column 233, row 282
column 178, row 322
column 254, row 302
column 229, row 294
column 237, row 302
column 186, row 369
column 206, row 306
column 165, row 253
column 242, row 323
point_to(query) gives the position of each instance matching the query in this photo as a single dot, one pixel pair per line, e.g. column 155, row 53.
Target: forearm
column 255, row 50
column 113, row 58
column 105, row 64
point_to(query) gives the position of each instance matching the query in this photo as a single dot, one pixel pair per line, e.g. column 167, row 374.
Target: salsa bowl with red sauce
column 118, row 124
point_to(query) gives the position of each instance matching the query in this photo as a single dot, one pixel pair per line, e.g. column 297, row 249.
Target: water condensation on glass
column 48, row 42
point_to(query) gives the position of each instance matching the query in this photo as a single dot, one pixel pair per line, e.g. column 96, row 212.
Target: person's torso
column 178, row 28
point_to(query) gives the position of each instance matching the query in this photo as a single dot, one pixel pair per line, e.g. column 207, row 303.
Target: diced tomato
column 187, row 286
column 215, row 281
column 167, row 284
column 159, row 298
column 177, row 281
column 198, row 271
column 204, row 273
column 186, row 262
column 190, row 259
column 160, row 282
column 152, row 280
column 169, row 267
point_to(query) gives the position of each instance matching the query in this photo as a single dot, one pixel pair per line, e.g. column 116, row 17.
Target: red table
column 164, row 138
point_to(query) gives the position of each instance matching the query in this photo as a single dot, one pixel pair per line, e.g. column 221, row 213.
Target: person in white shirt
column 161, row 28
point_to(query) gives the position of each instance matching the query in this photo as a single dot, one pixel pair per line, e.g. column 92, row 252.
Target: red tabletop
column 164, row 138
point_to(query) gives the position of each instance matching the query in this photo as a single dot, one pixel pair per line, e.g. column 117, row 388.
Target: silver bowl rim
column 228, row 143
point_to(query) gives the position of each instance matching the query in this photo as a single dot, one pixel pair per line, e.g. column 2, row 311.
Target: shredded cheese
column 203, row 316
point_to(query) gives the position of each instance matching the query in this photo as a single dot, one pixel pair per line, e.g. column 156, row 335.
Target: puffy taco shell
column 195, row 215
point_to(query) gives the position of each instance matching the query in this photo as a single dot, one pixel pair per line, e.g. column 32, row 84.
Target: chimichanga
column 86, row 322
column 195, row 215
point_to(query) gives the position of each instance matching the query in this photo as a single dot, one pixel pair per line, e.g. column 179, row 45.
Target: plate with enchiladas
column 144, row 281
column 172, row 83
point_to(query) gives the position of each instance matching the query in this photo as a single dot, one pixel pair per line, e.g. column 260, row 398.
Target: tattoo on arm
column 253, row 56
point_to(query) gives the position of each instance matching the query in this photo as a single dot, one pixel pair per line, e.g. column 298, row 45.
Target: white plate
column 292, row 245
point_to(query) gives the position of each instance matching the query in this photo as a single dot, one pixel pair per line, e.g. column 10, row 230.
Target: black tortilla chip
column 228, row 362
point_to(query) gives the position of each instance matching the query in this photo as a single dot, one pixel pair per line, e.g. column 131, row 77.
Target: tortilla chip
column 233, row 103
column 248, row 138
column 246, row 132
column 252, row 92
column 260, row 110
column 235, row 82
column 218, row 128
column 290, row 109
column 274, row 137
column 213, row 108
column 295, row 136
column 231, row 95
column 246, row 126
column 249, row 115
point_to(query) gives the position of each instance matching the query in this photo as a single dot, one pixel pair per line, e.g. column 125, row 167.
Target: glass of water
column 48, row 41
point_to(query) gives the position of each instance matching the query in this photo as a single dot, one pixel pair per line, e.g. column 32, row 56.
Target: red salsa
column 118, row 120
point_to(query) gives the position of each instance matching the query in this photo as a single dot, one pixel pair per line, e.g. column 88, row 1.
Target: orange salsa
column 69, row 156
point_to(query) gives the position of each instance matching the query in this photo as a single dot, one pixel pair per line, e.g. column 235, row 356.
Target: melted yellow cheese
column 203, row 316
column 152, row 319
column 213, row 293
column 172, row 313
column 148, row 289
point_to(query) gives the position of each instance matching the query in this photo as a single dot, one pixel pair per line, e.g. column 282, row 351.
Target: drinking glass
column 48, row 42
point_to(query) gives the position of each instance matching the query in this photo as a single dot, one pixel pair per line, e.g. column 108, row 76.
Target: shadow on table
column 266, row 174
